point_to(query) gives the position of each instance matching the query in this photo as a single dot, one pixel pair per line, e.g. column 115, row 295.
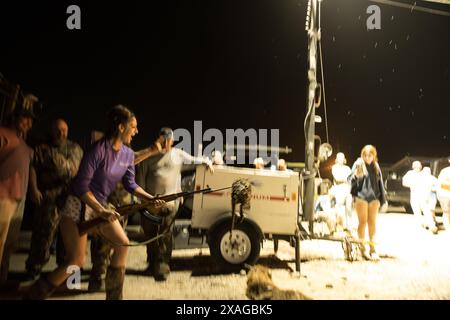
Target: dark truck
column 397, row 194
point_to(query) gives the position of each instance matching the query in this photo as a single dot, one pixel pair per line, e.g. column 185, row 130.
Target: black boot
column 114, row 283
column 40, row 290
column 161, row 271
column 33, row 272
column 96, row 283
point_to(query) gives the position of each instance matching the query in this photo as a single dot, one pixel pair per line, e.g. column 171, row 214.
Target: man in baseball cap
column 161, row 175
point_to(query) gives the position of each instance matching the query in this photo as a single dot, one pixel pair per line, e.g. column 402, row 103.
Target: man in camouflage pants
column 53, row 167
column 160, row 174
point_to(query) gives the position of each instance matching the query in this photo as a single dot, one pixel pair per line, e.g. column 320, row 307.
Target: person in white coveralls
column 341, row 189
column 443, row 194
column 412, row 179
column 427, row 198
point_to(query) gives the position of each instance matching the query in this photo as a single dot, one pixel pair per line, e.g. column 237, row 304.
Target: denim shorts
column 357, row 199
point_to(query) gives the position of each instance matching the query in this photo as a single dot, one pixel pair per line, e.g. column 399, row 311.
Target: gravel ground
column 415, row 264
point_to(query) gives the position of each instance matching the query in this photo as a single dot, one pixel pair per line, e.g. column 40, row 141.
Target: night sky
column 237, row 64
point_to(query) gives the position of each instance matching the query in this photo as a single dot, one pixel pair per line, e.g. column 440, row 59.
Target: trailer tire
column 244, row 248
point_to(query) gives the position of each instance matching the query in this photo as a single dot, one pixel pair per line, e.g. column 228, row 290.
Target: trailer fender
column 227, row 217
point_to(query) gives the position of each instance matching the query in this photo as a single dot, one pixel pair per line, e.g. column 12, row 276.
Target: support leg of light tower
column 310, row 170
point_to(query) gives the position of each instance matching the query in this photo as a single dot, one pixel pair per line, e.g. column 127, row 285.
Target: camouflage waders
column 159, row 252
column 45, row 226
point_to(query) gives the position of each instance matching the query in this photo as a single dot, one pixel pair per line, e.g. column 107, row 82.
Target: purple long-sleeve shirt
column 102, row 168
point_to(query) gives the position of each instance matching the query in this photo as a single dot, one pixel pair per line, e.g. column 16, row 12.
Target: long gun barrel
column 86, row 226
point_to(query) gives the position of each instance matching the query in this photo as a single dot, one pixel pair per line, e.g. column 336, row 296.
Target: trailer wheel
column 243, row 248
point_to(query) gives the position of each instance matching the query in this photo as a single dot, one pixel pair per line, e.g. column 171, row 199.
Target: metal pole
column 259, row 148
column 310, row 171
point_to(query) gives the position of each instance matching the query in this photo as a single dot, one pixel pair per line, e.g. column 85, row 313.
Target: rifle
column 86, row 226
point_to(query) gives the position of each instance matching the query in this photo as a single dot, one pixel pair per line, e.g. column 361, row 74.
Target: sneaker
column 374, row 256
column 365, row 255
column 434, row 230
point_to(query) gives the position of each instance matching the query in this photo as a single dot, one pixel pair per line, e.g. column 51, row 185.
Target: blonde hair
column 370, row 149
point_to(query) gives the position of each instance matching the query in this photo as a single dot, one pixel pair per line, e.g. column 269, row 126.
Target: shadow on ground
column 201, row 266
column 16, row 290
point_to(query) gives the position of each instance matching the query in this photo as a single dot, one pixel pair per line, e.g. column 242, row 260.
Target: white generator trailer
column 273, row 213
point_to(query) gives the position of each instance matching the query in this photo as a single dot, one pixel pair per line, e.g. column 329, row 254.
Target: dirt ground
column 415, row 264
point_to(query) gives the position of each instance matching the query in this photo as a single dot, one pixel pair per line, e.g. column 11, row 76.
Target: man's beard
column 60, row 142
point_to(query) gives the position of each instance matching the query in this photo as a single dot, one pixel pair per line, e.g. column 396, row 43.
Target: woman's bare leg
column 374, row 207
column 75, row 251
column 114, row 233
column 116, row 271
column 362, row 209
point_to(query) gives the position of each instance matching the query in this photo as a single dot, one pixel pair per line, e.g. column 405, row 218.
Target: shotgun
column 85, row 226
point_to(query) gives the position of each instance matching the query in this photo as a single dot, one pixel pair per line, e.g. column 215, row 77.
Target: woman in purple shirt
column 108, row 162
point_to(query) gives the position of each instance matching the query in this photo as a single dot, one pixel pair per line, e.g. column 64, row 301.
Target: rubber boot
column 40, row 290
column 114, row 283
column 161, row 271
column 96, row 283
column 33, row 272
